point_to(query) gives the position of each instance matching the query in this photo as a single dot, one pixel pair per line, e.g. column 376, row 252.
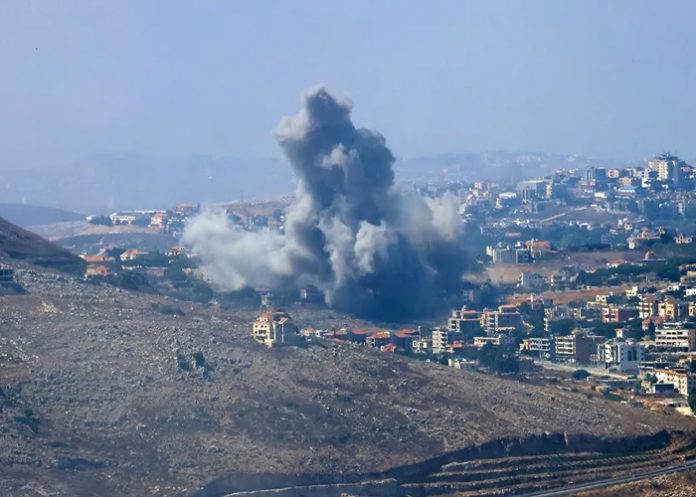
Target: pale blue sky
column 599, row 78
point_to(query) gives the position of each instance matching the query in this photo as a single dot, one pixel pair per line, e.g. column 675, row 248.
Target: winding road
column 582, row 487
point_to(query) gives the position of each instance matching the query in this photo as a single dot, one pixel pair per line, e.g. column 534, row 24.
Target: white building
column 498, row 339
column 620, row 355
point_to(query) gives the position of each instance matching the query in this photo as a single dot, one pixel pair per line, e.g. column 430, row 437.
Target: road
column 583, row 487
column 562, row 214
column 572, row 367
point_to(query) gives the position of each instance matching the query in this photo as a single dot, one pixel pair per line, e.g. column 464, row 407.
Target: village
column 587, row 272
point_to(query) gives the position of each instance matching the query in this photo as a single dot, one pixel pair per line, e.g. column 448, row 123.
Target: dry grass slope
column 102, row 393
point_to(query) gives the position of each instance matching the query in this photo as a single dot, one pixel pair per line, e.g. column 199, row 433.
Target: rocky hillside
column 110, row 393
column 18, row 243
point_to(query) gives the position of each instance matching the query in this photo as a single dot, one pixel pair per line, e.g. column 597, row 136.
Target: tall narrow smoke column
column 374, row 252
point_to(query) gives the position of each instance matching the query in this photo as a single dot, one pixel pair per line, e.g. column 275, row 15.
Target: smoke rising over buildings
column 373, row 251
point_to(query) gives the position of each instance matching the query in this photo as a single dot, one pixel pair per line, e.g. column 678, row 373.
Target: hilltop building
column 274, row 327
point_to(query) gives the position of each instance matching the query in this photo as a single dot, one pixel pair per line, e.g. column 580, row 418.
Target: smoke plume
column 373, row 251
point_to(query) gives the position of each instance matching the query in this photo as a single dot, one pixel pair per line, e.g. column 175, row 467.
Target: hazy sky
column 600, row 78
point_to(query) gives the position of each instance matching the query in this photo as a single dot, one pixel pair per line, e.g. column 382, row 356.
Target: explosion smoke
column 372, row 251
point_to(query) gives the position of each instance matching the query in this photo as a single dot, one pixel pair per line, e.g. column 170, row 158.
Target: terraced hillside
column 522, row 475
column 106, row 392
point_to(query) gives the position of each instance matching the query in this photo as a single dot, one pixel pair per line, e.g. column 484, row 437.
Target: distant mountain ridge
column 102, row 183
column 495, row 166
column 32, row 215
column 18, row 243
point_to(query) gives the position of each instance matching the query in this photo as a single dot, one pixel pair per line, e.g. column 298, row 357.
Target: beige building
column 274, row 327
column 683, row 382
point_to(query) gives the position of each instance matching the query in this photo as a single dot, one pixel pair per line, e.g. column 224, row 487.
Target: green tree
column 692, row 401
column 580, row 374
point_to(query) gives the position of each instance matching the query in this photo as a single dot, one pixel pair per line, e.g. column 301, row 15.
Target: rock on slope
column 104, row 394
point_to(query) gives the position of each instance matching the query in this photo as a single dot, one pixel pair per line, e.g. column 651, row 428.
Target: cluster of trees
column 498, row 359
column 103, row 220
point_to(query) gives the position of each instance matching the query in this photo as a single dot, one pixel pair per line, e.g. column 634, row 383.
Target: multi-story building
column 619, row 354
column 647, row 307
column 666, row 165
column 682, row 381
column 274, row 327
column 618, row 314
column 442, row 337
column 464, row 321
column 577, row 347
column 529, row 280
column 672, row 309
column 539, row 345
column 505, row 318
column 676, row 336
column 509, row 255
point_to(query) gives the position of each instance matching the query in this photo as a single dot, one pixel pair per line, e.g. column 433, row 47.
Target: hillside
column 32, row 215
column 18, row 243
column 103, row 394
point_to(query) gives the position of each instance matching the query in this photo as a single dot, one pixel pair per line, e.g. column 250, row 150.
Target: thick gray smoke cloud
column 374, row 252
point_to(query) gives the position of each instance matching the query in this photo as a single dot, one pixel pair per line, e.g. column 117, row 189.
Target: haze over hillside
column 107, row 182
column 32, row 215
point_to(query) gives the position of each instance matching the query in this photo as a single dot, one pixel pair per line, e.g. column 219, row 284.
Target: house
column 378, row 339
column 539, row 248
column 159, row 219
column 126, row 217
column 403, row 339
column 98, row 259
column 131, row 254
column 274, row 327
column 175, row 251
column 97, row 271
column 422, row 345
column 185, row 210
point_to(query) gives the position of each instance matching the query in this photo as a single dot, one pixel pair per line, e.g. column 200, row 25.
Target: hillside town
column 605, row 287
column 591, row 271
